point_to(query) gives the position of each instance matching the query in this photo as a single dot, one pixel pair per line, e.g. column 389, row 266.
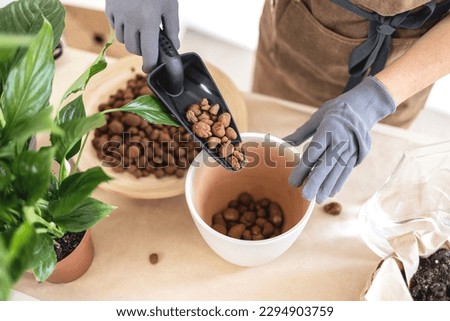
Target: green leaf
column 10, row 209
column 26, row 16
column 32, row 171
column 7, row 151
column 44, row 257
column 21, row 249
column 6, row 55
column 5, row 281
column 150, row 109
column 98, row 65
column 40, row 122
column 5, row 176
column 73, row 131
column 9, row 45
column 28, row 88
column 7, row 219
column 73, row 110
column 83, row 183
column 74, row 189
column 84, row 216
column 53, row 188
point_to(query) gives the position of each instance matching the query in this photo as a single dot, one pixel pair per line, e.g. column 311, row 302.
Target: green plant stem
column 14, row 41
column 80, row 153
column 108, row 111
column 2, row 118
column 62, row 171
column 34, row 218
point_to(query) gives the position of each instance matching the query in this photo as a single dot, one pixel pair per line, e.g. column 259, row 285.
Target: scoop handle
column 173, row 78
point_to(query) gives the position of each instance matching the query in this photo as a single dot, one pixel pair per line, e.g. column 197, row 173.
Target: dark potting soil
column 431, row 282
column 67, row 244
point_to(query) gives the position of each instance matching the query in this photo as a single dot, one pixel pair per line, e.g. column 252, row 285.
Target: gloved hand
column 136, row 23
column 340, row 138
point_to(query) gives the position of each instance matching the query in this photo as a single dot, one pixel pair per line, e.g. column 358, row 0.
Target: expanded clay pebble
column 128, row 143
column 333, row 208
column 210, row 125
column 431, row 282
column 153, row 258
column 247, row 219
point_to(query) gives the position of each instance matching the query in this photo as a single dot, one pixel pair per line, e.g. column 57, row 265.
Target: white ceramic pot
column 210, row 187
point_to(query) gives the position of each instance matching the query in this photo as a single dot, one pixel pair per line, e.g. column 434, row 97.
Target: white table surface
column 329, row 261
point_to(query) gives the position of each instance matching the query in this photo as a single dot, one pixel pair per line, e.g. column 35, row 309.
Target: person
column 361, row 61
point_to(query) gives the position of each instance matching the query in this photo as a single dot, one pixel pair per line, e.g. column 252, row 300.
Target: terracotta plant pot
column 76, row 263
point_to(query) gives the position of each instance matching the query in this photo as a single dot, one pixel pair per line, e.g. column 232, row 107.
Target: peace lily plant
column 36, row 206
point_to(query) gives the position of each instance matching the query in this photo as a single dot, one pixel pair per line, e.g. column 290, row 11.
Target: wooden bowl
column 107, row 83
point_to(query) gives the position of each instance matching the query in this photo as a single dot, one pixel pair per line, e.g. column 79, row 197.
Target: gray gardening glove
column 340, row 138
column 136, row 23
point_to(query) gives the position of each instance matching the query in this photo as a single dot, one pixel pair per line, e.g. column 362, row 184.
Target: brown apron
column 304, row 48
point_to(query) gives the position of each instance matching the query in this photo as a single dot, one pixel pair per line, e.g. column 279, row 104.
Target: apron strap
column 373, row 53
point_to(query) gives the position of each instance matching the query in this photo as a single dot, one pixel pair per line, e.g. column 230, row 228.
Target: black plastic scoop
column 182, row 80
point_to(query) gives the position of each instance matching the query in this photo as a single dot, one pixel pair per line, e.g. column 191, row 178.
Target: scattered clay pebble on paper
column 214, row 128
column 247, row 219
column 333, row 208
column 154, row 258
